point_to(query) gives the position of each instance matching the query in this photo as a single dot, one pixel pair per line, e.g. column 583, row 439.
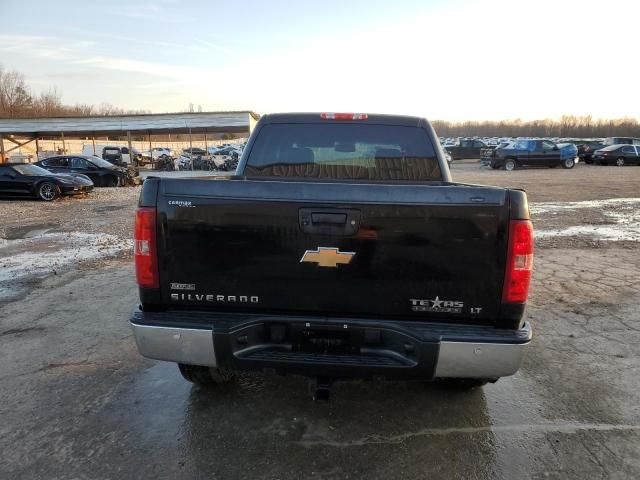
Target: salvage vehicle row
column 101, row 172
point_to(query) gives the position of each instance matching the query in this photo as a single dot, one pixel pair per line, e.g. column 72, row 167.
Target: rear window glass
column 343, row 151
column 56, row 162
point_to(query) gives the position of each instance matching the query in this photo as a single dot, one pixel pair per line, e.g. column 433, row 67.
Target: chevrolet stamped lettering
column 202, row 297
column 436, row 305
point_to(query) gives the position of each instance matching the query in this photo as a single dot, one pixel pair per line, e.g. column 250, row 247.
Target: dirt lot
column 77, row 401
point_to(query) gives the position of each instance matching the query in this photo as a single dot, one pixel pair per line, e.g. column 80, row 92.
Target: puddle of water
column 37, row 256
column 623, row 213
column 28, row 231
column 108, row 208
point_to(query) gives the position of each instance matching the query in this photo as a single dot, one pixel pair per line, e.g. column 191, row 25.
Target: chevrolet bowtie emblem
column 327, row 257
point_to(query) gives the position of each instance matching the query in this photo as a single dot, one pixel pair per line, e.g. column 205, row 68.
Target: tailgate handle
column 341, row 222
column 329, row 218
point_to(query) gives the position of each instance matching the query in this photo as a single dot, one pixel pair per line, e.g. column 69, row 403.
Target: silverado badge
column 327, row 257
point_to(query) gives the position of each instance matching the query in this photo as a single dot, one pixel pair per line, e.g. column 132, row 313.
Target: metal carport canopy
column 201, row 122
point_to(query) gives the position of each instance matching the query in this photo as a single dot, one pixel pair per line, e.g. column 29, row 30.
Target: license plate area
column 329, row 341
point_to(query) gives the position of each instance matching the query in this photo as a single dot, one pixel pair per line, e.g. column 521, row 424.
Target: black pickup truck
column 341, row 248
column 526, row 152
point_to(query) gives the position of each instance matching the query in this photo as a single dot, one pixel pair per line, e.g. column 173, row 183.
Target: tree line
column 567, row 126
column 17, row 100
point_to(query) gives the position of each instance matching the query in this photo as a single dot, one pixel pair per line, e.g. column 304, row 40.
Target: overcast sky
column 453, row 60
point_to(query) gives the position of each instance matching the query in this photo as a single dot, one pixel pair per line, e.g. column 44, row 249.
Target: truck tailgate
column 418, row 252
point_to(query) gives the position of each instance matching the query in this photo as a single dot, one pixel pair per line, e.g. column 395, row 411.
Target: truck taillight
column 519, row 262
column 344, row 116
column 144, row 248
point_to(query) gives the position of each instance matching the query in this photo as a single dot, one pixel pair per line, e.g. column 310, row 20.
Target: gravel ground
column 39, row 239
column 583, row 182
column 105, row 210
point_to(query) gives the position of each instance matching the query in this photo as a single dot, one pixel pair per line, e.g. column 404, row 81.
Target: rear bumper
column 392, row 349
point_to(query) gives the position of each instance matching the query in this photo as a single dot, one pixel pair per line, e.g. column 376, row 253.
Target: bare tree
column 48, row 103
column 106, row 109
column 81, row 110
column 568, row 126
column 15, row 98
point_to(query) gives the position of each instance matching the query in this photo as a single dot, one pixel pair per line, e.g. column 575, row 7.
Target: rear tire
column 568, row 163
column 205, row 376
column 509, row 164
column 620, row 162
column 48, row 191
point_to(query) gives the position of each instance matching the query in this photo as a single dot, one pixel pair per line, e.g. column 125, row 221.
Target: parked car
column 621, row 141
column 619, row 155
column 101, row 172
column 195, row 151
column 155, row 153
column 229, row 150
column 30, row 180
column 586, row 149
column 531, row 153
column 114, row 154
column 378, row 265
column 164, row 162
column 467, row 148
column 195, row 162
